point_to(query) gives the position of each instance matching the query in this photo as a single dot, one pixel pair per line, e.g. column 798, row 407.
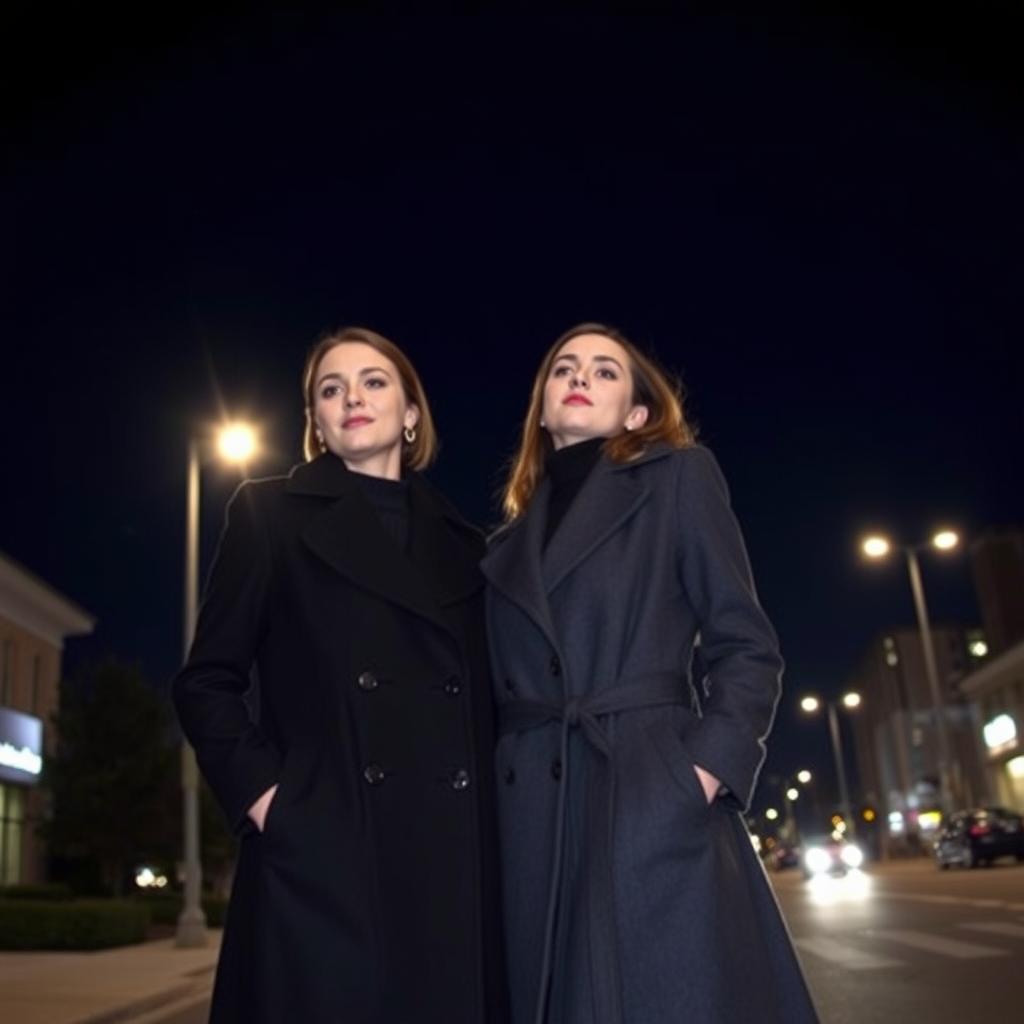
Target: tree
column 114, row 776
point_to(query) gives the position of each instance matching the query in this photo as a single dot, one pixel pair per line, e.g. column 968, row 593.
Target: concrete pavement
column 133, row 983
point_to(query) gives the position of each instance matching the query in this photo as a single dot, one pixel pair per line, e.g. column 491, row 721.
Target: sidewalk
column 108, row 986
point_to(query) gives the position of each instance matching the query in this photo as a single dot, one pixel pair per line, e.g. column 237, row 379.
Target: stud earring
column 320, row 441
column 409, row 434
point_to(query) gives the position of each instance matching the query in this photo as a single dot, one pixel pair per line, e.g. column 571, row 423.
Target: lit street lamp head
column 875, row 547
column 946, row 540
column 236, row 442
column 792, row 793
column 810, row 704
column 851, row 700
column 803, row 777
column 771, row 814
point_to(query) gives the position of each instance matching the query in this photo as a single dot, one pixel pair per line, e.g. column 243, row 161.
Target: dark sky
column 817, row 222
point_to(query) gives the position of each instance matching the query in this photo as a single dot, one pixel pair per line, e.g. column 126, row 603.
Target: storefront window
column 12, row 821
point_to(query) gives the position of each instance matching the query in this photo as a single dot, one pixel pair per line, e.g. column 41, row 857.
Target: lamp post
column 878, row 547
column 850, row 700
column 236, row 443
column 790, row 794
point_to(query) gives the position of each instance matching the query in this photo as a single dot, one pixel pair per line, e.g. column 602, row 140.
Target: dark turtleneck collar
column 568, row 468
column 390, row 500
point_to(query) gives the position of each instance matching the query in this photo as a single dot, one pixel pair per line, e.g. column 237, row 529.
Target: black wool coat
column 629, row 899
column 371, row 896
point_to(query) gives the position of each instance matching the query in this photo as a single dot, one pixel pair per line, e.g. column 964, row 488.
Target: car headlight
column 852, row 856
column 817, row 860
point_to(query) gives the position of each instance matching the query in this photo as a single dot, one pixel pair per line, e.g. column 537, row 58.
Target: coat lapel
column 608, row 497
column 513, row 565
column 347, row 535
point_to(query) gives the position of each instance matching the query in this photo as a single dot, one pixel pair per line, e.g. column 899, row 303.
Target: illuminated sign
column 1000, row 734
column 21, row 747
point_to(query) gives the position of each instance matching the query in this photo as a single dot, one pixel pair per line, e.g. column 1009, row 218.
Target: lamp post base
column 191, row 930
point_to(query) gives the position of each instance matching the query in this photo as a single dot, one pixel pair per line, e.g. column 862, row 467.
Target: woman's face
column 589, row 392
column 361, row 409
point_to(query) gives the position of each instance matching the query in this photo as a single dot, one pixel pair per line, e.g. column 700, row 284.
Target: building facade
column 35, row 620
column 896, row 734
column 997, row 564
column 997, row 691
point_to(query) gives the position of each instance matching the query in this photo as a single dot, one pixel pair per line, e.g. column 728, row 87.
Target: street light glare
column 792, row 793
column 945, row 540
column 771, row 814
column 875, row 547
column 803, row 777
column 810, row 704
column 236, row 442
column 851, row 700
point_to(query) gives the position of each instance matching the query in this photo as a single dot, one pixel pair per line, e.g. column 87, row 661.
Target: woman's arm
column 738, row 643
column 236, row 758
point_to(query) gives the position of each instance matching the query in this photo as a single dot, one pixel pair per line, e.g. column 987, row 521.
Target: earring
column 320, row 441
column 628, row 427
column 409, row 434
column 543, row 425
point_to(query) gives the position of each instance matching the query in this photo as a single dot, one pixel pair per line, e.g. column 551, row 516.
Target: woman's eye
column 330, row 391
column 607, row 374
column 560, row 371
column 376, row 383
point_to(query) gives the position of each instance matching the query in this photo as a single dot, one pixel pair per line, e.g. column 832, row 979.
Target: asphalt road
column 905, row 941
column 900, row 942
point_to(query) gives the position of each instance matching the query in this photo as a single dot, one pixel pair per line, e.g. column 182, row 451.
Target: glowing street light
column 236, row 442
column 878, row 547
column 803, row 777
column 792, row 793
column 850, row 700
column 771, row 814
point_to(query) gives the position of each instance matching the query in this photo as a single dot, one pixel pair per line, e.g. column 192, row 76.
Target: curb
column 198, row 987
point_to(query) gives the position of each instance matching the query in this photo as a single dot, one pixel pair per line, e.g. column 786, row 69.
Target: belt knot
column 572, row 712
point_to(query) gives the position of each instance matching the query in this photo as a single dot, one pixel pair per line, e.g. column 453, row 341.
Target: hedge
column 37, row 891
column 164, row 908
column 74, row 924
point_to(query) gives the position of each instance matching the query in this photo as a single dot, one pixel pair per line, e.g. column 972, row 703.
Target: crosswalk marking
column 1014, row 931
column 937, row 944
column 847, row 956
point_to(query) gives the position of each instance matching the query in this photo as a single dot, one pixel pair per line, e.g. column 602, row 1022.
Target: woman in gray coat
column 632, row 893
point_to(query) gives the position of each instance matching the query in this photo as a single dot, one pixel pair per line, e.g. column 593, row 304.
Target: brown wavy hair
column 652, row 386
column 417, row 455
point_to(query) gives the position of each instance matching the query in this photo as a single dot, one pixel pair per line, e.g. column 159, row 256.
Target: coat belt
column 584, row 713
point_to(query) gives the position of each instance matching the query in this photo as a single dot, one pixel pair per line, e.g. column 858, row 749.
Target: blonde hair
column 417, row 454
column 652, row 387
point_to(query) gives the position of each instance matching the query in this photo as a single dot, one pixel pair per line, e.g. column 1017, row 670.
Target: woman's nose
column 578, row 381
column 353, row 398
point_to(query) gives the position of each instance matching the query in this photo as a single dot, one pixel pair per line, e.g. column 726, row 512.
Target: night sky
column 816, row 222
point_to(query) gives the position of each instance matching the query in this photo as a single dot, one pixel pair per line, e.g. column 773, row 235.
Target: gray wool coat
column 628, row 898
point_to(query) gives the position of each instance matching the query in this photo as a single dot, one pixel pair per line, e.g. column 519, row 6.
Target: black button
column 556, row 665
column 453, row 687
column 556, row 769
column 459, row 779
column 510, row 777
column 367, row 681
column 374, row 774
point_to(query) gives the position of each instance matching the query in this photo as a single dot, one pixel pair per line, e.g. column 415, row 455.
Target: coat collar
column 524, row 572
column 441, row 566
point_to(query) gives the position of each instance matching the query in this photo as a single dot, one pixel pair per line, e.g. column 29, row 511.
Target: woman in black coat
column 632, row 891
column 348, row 596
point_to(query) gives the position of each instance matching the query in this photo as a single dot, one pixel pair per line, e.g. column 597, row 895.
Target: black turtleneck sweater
column 568, row 468
column 390, row 500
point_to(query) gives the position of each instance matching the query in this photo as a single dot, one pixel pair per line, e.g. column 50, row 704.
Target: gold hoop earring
column 409, row 434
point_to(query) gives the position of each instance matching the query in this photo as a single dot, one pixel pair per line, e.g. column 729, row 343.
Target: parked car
column 827, row 855
column 980, row 836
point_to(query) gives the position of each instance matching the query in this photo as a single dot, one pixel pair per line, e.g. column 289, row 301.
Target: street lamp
column 850, row 700
column 236, row 442
column 877, row 547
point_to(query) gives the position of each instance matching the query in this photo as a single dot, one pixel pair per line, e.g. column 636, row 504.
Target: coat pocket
column 676, row 757
column 295, row 776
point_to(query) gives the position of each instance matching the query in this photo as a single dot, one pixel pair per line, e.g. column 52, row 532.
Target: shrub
column 74, row 924
column 38, row 891
column 164, row 908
